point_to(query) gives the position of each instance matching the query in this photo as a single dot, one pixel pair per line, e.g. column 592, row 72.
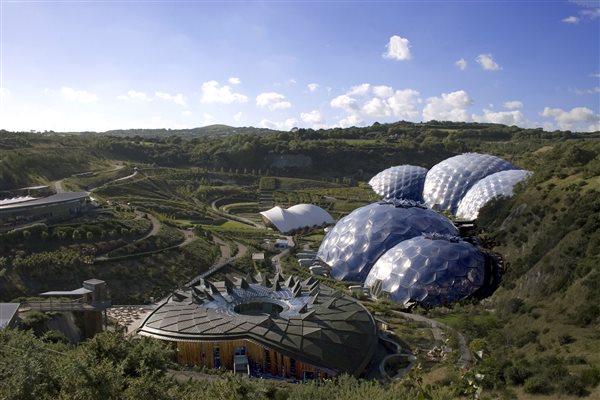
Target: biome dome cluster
column 358, row 240
column 407, row 249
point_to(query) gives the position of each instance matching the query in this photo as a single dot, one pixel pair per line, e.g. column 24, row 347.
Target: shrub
column 537, row 385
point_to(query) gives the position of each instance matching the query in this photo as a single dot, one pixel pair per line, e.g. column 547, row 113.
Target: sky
column 101, row 65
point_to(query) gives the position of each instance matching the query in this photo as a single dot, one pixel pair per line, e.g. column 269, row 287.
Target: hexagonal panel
column 369, row 231
column 409, row 275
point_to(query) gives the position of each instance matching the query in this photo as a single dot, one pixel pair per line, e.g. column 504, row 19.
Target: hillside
column 538, row 332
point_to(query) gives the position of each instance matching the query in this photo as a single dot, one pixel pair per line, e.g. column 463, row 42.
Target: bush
column 537, row 385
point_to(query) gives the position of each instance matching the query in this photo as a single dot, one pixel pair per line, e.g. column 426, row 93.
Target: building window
column 292, row 367
column 267, row 361
column 216, row 357
column 240, row 351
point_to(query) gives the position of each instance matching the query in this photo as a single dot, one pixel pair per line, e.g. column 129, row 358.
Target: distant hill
column 210, row 130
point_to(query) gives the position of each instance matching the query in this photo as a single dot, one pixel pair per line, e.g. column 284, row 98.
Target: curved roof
column 316, row 324
column 297, row 217
column 45, row 201
column 431, row 270
column 360, row 238
column 495, row 185
column 448, row 181
column 402, row 182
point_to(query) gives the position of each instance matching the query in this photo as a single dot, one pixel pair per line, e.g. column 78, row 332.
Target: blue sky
column 102, row 65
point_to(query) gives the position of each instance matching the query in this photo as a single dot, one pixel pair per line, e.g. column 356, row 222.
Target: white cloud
column 344, row 102
column 80, row 96
column 234, row 80
column 376, row 107
column 515, row 117
column 177, row 98
column 186, row 113
column 132, row 95
column 596, row 75
column 383, row 91
column 398, row 48
column 313, row 117
column 594, row 90
column 571, row 20
column 385, row 102
column 591, row 13
column 487, row 62
column 513, row 105
column 578, row 118
column 359, row 90
column 461, row 64
column 450, row 107
column 590, row 10
column 350, row 120
column 212, row 93
column 285, row 125
column 403, row 103
column 273, row 101
column 312, row 86
column 4, row 92
column 238, row 116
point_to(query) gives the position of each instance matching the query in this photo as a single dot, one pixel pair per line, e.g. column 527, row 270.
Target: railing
column 67, row 305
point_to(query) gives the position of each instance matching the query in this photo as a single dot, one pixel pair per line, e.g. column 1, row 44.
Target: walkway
column 437, row 329
column 233, row 217
column 276, row 259
column 224, row 259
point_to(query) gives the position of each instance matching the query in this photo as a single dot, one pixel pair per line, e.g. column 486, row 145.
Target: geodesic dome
column 355, row 243
column 495, row 185
column 431, row 270
column 448, row 181
column 402, row 182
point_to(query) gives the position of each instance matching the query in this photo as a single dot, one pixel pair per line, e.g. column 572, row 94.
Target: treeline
column 110, row 366
column 333, row 152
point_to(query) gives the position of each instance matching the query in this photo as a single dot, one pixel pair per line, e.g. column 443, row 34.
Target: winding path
column 276, row 259
column 224, row 259
column 437, row 329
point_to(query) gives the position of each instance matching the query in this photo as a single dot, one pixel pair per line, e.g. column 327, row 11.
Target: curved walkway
column 276, row 259
column 224, row 259
column 399, row 353
column 232, row 217
column 437, row 329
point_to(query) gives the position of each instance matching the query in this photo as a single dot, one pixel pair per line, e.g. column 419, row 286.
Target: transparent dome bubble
column 370, row 231
column 431, row 280
column 401, row 182
column 447, row 182
column 492, row 186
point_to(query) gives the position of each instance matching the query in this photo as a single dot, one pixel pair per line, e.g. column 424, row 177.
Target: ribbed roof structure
column 314, row 324
column 297, row 217
column 401, row 182
column 431, row 270
column 492, row 186
column 359, row 239
column 448, row 181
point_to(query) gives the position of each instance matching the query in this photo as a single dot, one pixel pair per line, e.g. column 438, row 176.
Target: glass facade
column 355, row 243
column 495, row 185
column 447, row 182
column 431, row 270
column 402, row 182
